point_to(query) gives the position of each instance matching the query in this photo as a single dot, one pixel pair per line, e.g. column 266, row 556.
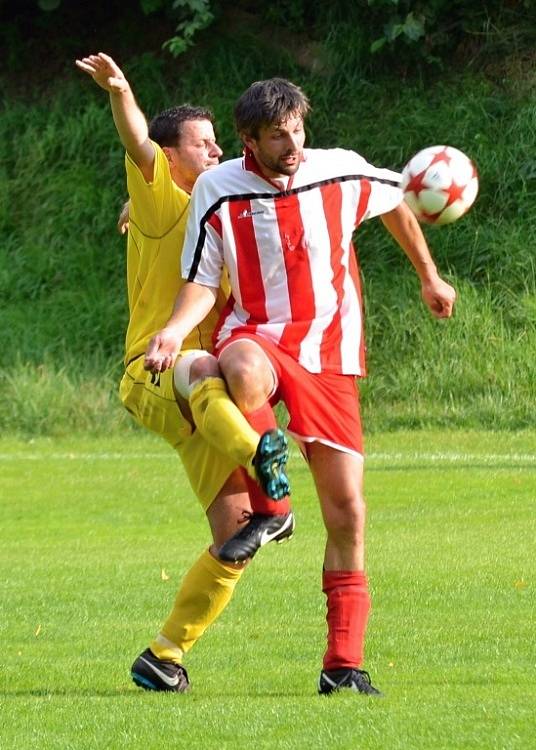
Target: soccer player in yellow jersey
column 187, row 405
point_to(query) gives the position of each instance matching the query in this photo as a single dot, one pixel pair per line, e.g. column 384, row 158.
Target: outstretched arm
column 436, row 293
column 193, row 303
column 129, row 119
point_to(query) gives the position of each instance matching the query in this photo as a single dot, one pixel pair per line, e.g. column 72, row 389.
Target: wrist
column 426, row 271
column 175, row 331
column 120, row 88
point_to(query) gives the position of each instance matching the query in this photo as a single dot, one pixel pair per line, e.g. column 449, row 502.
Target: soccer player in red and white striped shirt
column 281, row 221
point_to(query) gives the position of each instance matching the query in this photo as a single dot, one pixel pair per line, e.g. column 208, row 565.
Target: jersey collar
column 250, row 165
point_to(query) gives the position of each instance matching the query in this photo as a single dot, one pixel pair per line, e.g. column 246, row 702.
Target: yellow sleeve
column 155, row 206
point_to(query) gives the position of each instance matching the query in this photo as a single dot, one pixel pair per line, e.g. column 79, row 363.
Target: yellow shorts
column 151, row 401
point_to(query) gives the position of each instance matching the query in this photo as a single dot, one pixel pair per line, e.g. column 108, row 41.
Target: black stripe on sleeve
column 252, row 196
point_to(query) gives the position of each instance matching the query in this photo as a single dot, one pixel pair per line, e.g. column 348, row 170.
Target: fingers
column 99, row 64
column 151, row 354
column 107, row 60
column 85, row 66
column 160, row 355
column 442, row 308
column 159, row 362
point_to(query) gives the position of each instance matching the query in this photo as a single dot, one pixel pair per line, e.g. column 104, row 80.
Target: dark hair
column 267, row 103
column 166, row 128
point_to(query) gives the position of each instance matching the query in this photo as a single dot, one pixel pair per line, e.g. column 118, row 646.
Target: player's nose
column 215, row 151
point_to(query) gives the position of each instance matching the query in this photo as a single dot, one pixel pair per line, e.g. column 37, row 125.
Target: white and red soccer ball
column 440, row 184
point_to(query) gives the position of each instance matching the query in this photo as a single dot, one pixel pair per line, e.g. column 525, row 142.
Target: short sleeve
column 202, row 256
column 154, row 206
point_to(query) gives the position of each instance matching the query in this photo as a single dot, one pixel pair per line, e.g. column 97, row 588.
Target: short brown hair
column 267, row 103
column 166, row 128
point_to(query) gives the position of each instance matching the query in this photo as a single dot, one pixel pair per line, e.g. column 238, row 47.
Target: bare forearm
column 405, row 229
column 192, row 305
column 129, row 121
column 132, row 129
column 128, row 117
column 438, row 295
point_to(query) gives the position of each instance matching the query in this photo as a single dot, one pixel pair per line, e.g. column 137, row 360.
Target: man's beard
column 278, row 166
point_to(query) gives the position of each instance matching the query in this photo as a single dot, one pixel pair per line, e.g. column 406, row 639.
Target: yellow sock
column 222, row 424
column 205, row 592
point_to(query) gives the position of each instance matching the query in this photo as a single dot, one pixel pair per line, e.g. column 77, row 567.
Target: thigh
column 249, row 371
column 150, row 398
column 323, row 407
column 151, row 401
column 338, row 477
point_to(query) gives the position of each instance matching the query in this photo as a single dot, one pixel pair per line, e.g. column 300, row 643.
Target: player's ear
column 248, row 141
column 168, row 153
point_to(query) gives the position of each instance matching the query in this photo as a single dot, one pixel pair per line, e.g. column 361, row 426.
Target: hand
column 439, row 296
column 104, row 71
column 162, row 350
column 122, row 220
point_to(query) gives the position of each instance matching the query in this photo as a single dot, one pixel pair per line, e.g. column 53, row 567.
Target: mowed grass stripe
column 85, row 545
column 382, row 458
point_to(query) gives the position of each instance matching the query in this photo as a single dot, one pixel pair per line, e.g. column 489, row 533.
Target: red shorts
column 323, row 407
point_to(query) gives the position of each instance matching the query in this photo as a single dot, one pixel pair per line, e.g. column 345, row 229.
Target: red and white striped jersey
column 289, row 254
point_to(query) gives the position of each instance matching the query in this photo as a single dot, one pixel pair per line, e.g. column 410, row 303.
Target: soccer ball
column 440, row 184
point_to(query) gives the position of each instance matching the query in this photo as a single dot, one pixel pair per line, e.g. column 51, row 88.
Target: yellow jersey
column 157, row 220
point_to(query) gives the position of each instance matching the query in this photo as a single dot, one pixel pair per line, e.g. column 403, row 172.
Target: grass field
column 89, row 569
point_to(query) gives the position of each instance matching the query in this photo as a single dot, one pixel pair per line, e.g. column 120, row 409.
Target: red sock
column 261, row 420
column 348, row 603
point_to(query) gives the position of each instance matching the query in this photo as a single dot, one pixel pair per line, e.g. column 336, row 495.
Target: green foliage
column 189, row 17
column 63, row 308
column 49, row 5
column 388, row 33
column 432, row 28
column 196, row 16
column 192, row 16
column 403, row 33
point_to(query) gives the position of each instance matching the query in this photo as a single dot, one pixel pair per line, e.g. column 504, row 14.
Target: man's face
column 197, row 151
column 279, row 147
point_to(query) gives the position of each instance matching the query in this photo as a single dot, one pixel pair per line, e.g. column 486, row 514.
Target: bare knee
column 192, row 367
column 248, row 375
column 204, row 367
column 344, row 518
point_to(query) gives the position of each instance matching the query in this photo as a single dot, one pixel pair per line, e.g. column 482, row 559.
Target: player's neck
column 183, row 184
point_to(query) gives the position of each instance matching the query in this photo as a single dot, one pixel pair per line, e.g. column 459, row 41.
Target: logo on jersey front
column 245, row 214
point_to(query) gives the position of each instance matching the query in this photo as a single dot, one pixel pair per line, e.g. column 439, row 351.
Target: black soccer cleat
column 270, row 462
column 151, row 673
column 357, row 680
column 258, row 531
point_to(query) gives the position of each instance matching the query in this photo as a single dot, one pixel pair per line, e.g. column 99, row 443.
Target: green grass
column 450, row 539
column 63, row 308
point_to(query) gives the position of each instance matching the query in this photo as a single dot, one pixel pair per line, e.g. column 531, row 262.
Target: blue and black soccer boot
column 258, row 531
column 151, row 673
column 357, row 680
column 270, row 464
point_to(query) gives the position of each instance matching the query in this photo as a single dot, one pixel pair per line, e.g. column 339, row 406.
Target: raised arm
column 193, row 303
column 436, row 293
column 129, row 119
